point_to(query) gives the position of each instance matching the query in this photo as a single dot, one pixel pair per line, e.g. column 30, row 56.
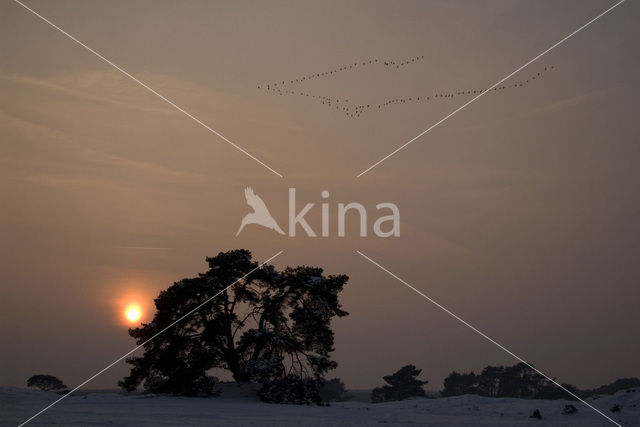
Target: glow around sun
column 131, row 304
column 133, row 312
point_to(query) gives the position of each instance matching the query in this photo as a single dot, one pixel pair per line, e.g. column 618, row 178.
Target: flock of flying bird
column 345, row 106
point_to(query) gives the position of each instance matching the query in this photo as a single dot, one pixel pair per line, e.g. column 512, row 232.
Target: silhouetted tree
column 457, row 384
column 489, row 381
column 401, row 385
column 45, row 382
column 269, row 327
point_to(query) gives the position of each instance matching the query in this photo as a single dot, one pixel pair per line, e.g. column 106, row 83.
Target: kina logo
column 261, row 216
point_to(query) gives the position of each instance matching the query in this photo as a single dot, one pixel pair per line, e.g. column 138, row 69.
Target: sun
column 133, row 313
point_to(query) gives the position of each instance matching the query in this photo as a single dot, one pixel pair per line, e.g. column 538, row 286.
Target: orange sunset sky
column 520, row 213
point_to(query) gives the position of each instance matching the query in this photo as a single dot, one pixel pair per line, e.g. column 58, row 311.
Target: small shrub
column 333, row 390
column 292, row 389
column 401, row 385
column 202, row 386
column 46, row 382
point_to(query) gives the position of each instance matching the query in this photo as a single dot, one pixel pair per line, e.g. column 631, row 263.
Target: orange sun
column 133, row 312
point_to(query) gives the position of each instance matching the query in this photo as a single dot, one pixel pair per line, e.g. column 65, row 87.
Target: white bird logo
column 260, row 214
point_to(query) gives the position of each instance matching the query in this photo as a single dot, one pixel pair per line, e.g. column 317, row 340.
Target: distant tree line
column 613, row 388
column 520, row 381
column 517, row 381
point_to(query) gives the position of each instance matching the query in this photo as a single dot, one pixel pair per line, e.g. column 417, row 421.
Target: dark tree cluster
column 522, row 382
column 518, row 381
column 400, row 385
column 271, row 327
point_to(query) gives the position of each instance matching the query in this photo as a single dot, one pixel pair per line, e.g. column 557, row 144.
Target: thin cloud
column 570, row 102
column 144, row 248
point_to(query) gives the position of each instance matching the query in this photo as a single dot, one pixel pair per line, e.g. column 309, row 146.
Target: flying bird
column 260, row 214
column 358, row 110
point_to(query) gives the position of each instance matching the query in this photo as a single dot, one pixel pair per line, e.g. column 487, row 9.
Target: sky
column 519, row 213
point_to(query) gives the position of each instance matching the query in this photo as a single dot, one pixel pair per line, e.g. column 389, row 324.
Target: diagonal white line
column 82, row 384
column 195, row 119
column 490, row 88
column 485, row 336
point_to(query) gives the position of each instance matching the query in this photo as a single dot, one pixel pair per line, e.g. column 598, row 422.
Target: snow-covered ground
column 238, row 408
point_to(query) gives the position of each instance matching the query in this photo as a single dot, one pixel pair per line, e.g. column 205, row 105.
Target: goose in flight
column 260, row 214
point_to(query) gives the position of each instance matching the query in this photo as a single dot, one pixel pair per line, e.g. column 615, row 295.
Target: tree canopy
column 403, row 384
column 270, row 326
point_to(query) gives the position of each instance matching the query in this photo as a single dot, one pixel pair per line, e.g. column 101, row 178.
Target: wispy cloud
column 144, row 248
column 570, row 102
column 103, row 87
